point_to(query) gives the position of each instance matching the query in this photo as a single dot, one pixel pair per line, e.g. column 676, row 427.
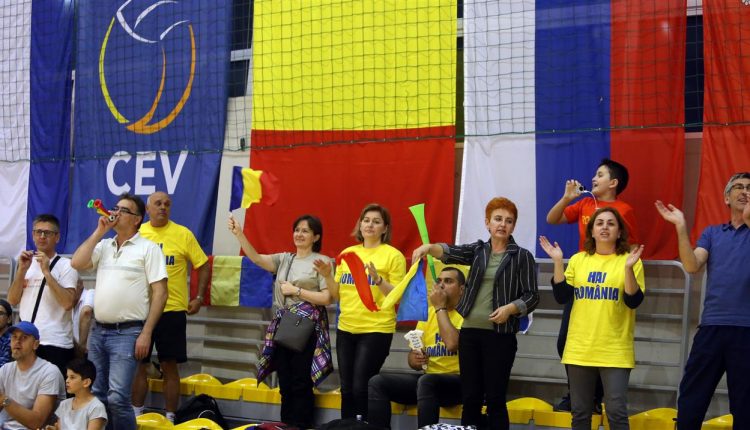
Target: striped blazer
column 515, row 279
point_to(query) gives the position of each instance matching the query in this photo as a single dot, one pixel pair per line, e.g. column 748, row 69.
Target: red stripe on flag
column 726, row 148
column 357, row 269
column 335, row 181
column 647, row 61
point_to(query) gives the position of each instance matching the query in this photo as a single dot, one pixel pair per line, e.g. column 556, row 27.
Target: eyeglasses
column 740, row 187
column 123, row 209
column 44, row 233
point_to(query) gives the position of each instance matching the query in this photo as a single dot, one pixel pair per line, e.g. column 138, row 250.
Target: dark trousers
column 295, row 384
column 562, row 337
column 428, row 391
column 57, row 356
column 485, row 358
column 360, row 357
column 716, row 349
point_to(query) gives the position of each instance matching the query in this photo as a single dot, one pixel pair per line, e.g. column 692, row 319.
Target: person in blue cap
column 30, row 387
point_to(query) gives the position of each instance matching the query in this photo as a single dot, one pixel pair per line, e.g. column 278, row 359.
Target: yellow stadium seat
column 198, row 424
column 245, row 426
column 521, row 411
column 156, row 385
column 231, row 390
column 561, row 419
column 153, row 421
column 330, row 399
column 723, row 422
column 655, row 419
column 451, row 412
column 261, row 394
column 188, row 383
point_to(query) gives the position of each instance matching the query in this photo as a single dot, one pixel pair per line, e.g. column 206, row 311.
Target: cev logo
column 147, row 124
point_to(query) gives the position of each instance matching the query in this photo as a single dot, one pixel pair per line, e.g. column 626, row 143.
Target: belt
column 120, row 325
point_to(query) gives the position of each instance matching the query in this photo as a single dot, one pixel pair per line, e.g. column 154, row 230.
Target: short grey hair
column 736, row 176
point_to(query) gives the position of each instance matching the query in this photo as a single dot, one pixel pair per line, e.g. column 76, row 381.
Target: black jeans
column 295, row 384
column 360, row 357
column 562, row 338
column 57, row 356
column 485, row 358
column 428, row 391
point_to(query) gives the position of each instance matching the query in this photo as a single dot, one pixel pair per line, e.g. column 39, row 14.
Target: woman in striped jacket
column 500, row 289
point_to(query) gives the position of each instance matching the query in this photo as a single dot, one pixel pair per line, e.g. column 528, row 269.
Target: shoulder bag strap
column 41, row 288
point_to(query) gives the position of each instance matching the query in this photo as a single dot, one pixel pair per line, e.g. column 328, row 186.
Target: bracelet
column 441, row 309
column 379, row 281
column 299, row 291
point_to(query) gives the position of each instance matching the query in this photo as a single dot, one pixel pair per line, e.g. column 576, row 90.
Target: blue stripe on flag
column 572, row 103
column 50, row 90
column 256, row 285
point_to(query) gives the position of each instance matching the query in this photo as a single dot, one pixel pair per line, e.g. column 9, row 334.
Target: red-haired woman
column 500, row 289
column 606, row 283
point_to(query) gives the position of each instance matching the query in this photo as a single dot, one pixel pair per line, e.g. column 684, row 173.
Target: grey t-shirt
column 43, row 378
column 301, row 273
column 79, row 418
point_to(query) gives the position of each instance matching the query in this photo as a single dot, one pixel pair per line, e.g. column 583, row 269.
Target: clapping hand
column 553, row 250
column 670, row 213
column 634, row 256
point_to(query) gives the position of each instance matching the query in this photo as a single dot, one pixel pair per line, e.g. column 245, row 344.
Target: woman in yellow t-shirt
column 606, row 283
column 363, row 338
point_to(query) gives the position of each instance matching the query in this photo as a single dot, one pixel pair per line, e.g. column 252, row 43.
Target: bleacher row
column 524, row 413
column 226, row 342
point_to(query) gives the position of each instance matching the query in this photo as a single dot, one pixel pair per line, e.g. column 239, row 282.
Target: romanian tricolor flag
column 411, row 294
column 235, row 281
column 251, row 186
column 354, row 102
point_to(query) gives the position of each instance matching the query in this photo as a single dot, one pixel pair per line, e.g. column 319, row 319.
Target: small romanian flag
column 235, row 281
column 411, row 292
column 251, row 186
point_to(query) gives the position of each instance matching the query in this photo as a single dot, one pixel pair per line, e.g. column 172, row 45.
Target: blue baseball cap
column 27, row 328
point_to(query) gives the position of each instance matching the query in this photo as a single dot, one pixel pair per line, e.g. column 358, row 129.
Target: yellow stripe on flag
column 354, row 65
column 395, row 295
column 225, row 281
column 253, row 191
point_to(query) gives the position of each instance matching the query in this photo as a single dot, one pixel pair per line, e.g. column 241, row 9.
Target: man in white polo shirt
column 129, row 271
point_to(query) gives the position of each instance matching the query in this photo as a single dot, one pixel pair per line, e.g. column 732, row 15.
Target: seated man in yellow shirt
column 440, row 384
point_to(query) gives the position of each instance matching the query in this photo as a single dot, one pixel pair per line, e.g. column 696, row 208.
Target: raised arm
column 448, row 331
column 325, row 269
column 692, row 259
column 262, row 260
column 81, row 260
column 556, row 214
column 16, row 288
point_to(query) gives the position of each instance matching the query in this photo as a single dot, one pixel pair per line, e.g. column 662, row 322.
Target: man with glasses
column 180, row 248
column 440, row 384
column 131, row 290
column 44, row 288
column 722, row 342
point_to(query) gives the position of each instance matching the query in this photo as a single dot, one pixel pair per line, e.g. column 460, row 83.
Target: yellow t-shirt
column 441, row 361
column 179, row 246
column 355, row 317
column 601, row 325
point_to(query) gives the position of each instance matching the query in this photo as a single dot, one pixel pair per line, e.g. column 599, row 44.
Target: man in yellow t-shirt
column 180, row 248
column 440, row 384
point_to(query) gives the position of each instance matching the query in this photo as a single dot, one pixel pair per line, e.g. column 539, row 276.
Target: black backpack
column 200, row 406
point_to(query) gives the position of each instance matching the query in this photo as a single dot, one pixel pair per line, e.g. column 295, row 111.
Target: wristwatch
column 6, row 402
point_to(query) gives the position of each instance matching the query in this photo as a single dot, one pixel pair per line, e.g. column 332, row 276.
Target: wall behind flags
column 164, row 98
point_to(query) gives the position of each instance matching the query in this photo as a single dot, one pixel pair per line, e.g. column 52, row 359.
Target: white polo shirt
column 124, row 277
column 53, row 321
